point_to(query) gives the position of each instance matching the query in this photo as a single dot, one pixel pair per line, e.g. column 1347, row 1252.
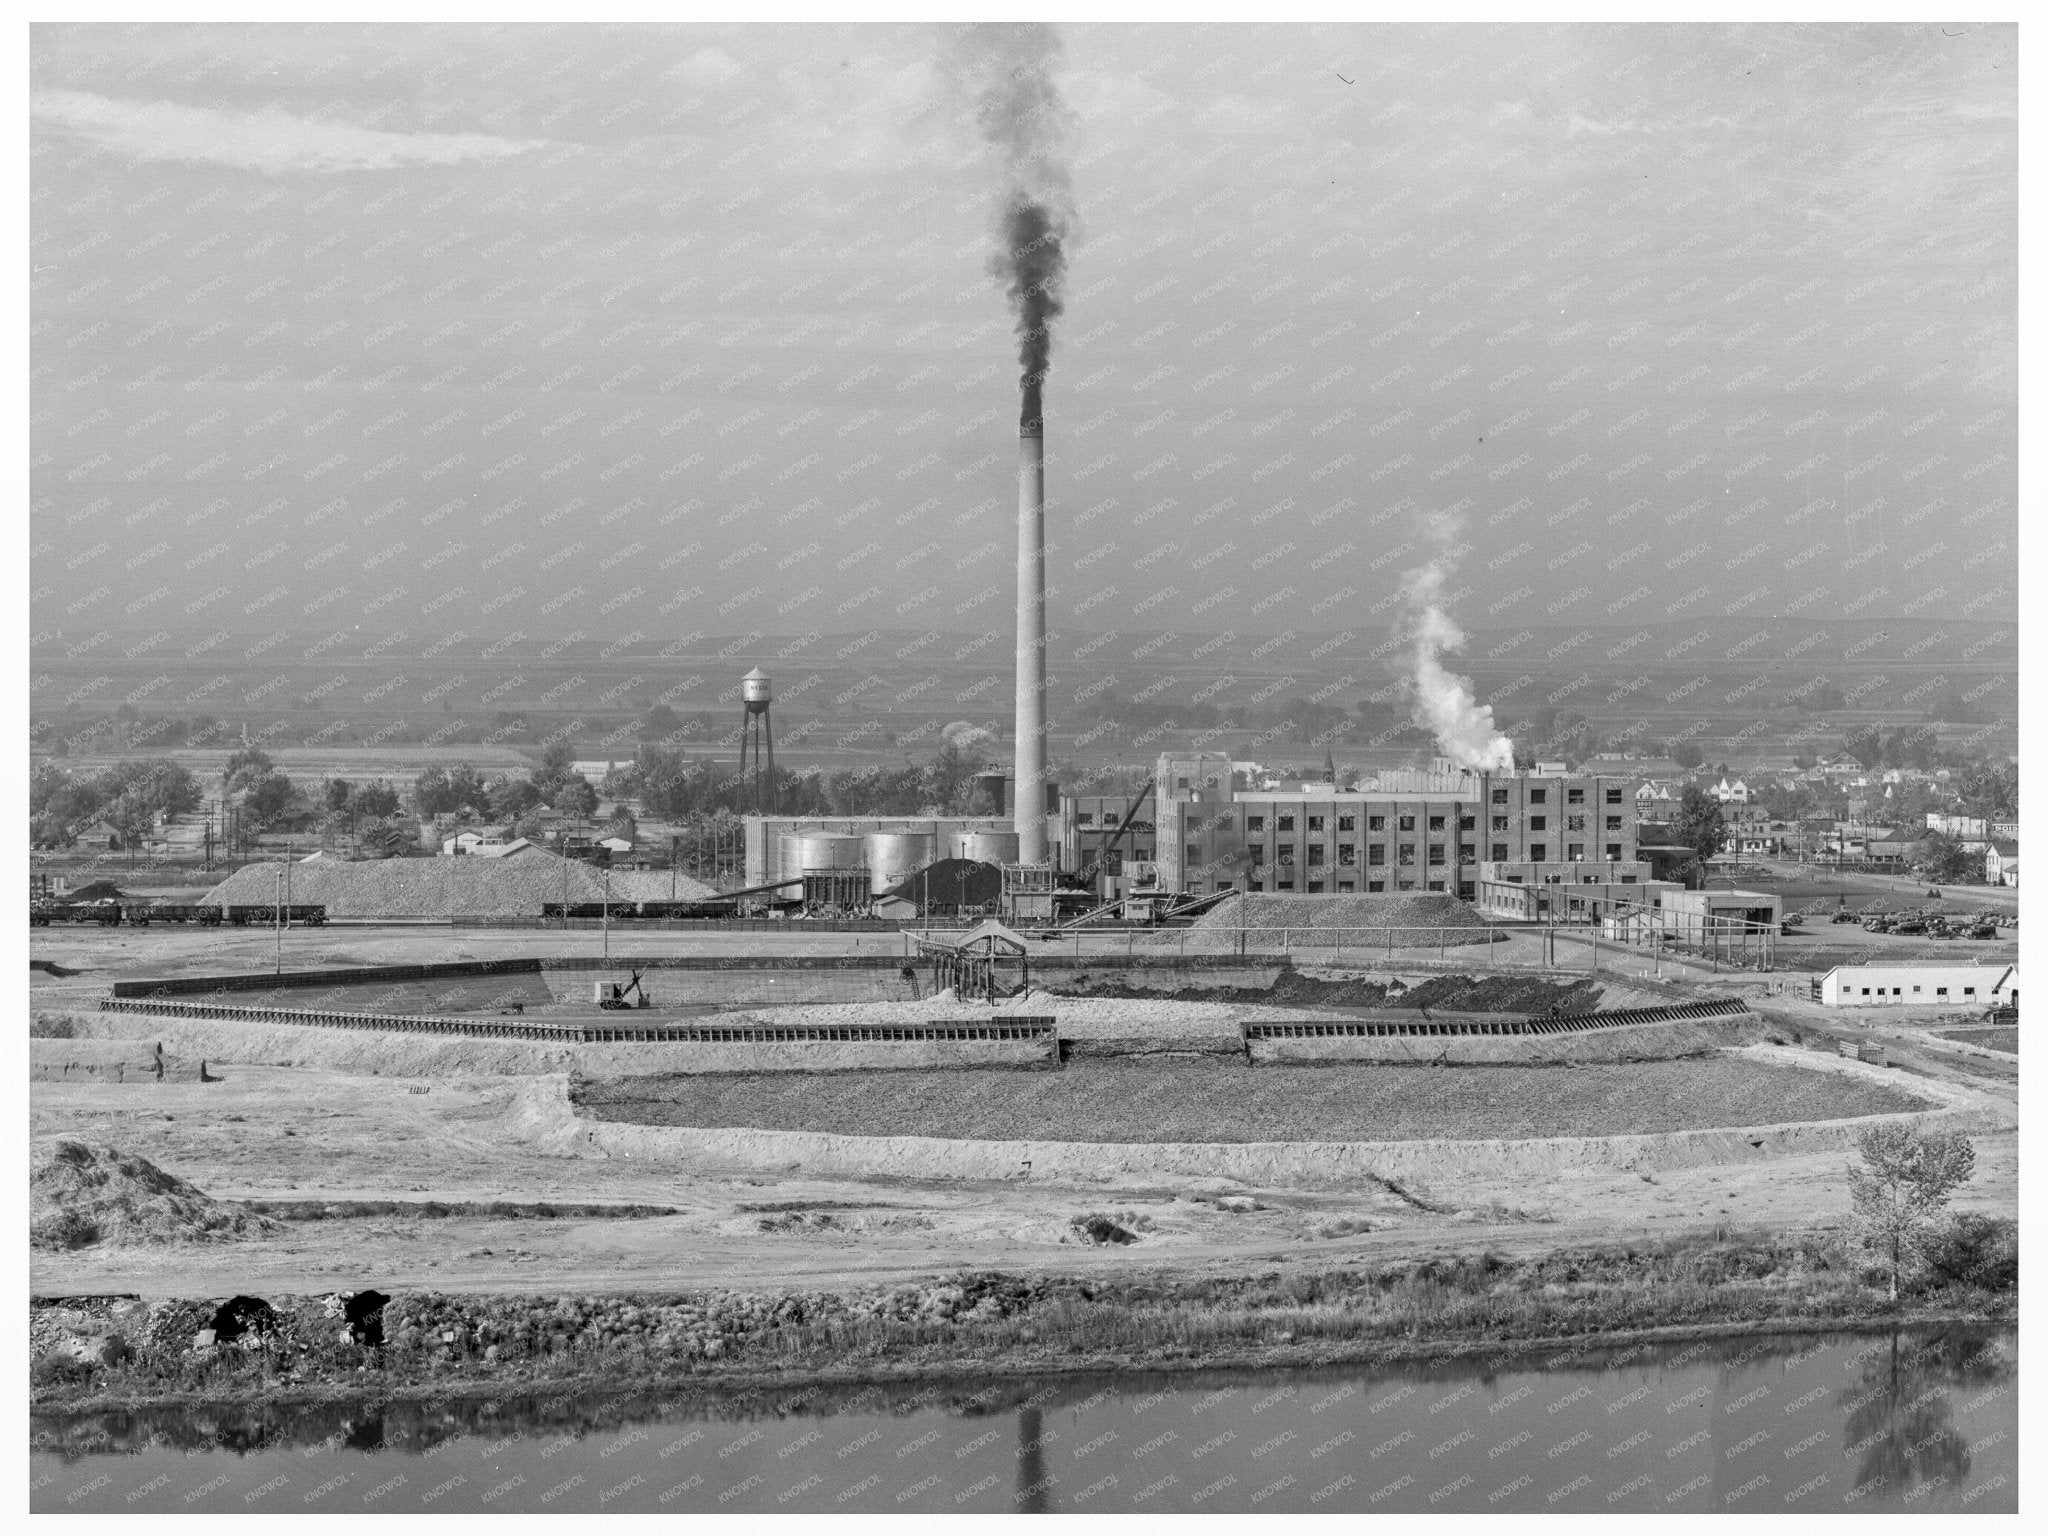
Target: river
column 1921, row 1421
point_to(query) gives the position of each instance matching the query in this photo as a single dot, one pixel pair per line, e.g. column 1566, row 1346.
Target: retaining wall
column 224, row 1043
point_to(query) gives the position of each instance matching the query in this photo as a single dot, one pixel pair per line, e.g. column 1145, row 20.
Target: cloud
column 268, row 140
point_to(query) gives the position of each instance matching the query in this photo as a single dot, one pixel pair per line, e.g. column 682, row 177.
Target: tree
column 1687, row 755
column 1904, row 1184
column 1865, row 744
column 574, row 796
column 1699, row 824
column 335, row 793
column 269, row 799
column 376, row 799
column 1947, row 862
column 245, row 766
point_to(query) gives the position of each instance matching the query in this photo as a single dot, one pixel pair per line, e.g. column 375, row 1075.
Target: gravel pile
column 1342, row 920
column 82, row 1193
column 448, row 887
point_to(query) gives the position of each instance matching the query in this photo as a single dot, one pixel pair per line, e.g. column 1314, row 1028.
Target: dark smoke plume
column 1008, row 70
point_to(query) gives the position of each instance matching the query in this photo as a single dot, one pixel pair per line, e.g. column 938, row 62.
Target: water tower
column 757, row 738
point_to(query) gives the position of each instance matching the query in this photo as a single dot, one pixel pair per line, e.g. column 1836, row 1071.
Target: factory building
column 1444, row 831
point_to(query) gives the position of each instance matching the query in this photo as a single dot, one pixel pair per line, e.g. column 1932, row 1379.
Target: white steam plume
column 1442, row 701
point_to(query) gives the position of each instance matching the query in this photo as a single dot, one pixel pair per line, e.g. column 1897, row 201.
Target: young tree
column 1905, row 1182
column 1687, row 755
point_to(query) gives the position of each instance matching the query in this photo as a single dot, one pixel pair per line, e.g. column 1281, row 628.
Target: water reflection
column 1928, row 1422
column 1901, row 1410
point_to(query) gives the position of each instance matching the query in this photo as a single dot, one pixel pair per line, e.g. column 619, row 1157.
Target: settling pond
column 1920, row 1422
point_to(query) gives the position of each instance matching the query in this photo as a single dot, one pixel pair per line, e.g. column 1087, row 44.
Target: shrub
column 59, row 1370
column 52, row 1026
column 1976, row 1250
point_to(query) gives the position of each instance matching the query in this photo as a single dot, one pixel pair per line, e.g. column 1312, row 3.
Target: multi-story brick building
column 1440, row 831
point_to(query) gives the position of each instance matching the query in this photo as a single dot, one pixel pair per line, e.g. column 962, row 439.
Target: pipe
column 1028, row 814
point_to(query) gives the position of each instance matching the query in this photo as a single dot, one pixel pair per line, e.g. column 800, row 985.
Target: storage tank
column 895, row 856
column 803, row 851
column 986, row 847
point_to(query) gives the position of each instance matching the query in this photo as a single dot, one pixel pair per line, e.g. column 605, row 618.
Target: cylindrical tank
column 803, row 851
column 755, row 688
column 895, row 856
column 986, row 847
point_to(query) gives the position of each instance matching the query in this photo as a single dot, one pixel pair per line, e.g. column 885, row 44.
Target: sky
column 639, row 333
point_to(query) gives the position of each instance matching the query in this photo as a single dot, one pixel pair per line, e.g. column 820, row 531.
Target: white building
column 2002, row 863
column 1916, row 986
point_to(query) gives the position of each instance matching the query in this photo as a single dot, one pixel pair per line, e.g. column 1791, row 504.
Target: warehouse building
column 1922, row 986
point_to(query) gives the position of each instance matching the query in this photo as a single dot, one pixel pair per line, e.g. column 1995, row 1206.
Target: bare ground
column 291, row 1133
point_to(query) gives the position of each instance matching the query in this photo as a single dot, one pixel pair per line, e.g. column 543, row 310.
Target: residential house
column 1730, row 794
column 2002, row 862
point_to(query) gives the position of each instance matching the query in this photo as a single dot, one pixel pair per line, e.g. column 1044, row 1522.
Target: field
column 1117, row 1101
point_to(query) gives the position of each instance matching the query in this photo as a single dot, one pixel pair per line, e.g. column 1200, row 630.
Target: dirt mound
column 515, row 886
column 1411, row 919
column 81, row 1193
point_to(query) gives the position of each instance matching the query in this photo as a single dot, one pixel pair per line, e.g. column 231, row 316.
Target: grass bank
column 1002, row 1324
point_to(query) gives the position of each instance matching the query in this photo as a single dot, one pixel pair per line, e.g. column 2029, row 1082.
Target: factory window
column 1614, row 797
column 1084, row 818
column 1436, row 885
column 1468, row 853
column 1575, row 853
column 1575, row 797
column 1575, row 823
column 1375, row 885
column 1436, row 823
column 1407, row 854
column 1375, row 823
column 1255, row 885
column 1315, row 853
column 1938, row 991
column 1969, row 991
column 1194, row 853
column 1538, row 852
column 1286, row 823
column 1404, row 885
column 1376, row 853
column 1255, row 823
column 1109, row 818
column 1628, row 879
column 1436, row 853
column 1315, row 885
column 1614, row 853
column 1284, row 885
column 1315, row 823
column 1287, row 853
column 1614, row 823
column 1407, row 823
column 1347, row 853
column 1182, row 782
column 1500, row 824
column 1500, row 853
column 1866, row 991
column 1537, row 823
column 1467, row 823
column 1347, row 823
column 1500, row 797
column 1346, row 885
column 1537, row 796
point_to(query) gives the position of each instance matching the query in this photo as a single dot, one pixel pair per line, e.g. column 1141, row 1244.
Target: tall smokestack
column 1029, row 814
column 1009, row 70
